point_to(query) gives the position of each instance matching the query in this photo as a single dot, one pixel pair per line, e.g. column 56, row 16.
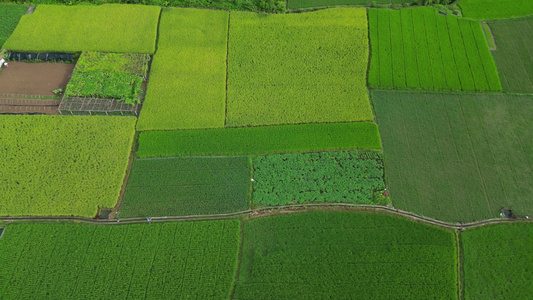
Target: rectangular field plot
column 59, row 165
column 514, row 54
column 106, row 28
column 187, row 87
column 495, row 9
column 187, row 186
column 347, row 176
column 260, row 140
column 338, row 255
column 497, row 261
column 11, row 14
column 192, row 260
column 417, row 48
column 298, row 68
column 457, row 157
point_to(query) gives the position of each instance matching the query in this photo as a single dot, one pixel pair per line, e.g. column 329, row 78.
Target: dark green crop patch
column 10, row 15
column 347, row 176
column 180, row 186
column 345, row 255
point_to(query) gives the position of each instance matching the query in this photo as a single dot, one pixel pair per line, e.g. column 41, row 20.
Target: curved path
column 285, row 208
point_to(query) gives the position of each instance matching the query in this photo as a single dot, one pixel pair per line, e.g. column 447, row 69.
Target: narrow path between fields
column 265, row 210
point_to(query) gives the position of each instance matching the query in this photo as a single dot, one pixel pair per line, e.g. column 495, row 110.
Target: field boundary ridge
column 264, row 210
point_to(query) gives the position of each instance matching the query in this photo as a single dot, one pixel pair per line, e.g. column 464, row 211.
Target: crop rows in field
column 298, row 68
column 417, row 48
column 155, row 261
column 321, row 255
column 259, row 140
column 514, row 56
column 187, row 87
column 187, row 186
column 11, row 14
column 497, row 261
column 457, row 157
column 59, row 165
column 495, row 9
column 106, row 28
column 348, row 176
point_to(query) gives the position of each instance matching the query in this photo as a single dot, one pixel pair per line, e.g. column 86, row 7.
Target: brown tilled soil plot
column 34, row 78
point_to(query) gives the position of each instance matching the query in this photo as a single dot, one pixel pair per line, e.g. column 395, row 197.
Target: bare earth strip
column 42, row 79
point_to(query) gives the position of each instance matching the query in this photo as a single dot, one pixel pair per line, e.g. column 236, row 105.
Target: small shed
column 506, row 213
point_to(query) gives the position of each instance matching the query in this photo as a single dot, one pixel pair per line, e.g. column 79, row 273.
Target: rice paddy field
column 340, row 254
column 514, row 54
column 382, row 151
column 156, row 261
column 497, row 260
column 418, row 48
column 57, row 165
column 457, row 157
column 284, row 69
column 259, row 140
column 187, row 186
column 495, row 9
column 106, row 28
column 187, row 87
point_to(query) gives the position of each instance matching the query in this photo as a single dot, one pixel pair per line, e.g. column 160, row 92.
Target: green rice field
column 324, row 255
column 495, row 9
column 128, row 261
column 497, row 261
column 417, row 48
column 457, row 157
column 58, row 165
column 187, row 186
column 284, row 69
column 105, row 28
column 187, row 87
column 266, row 149
column 514, row 55
column 259, row 140
column 11, row 14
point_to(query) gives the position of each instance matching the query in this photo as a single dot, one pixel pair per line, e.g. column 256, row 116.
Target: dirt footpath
column 34, row 78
